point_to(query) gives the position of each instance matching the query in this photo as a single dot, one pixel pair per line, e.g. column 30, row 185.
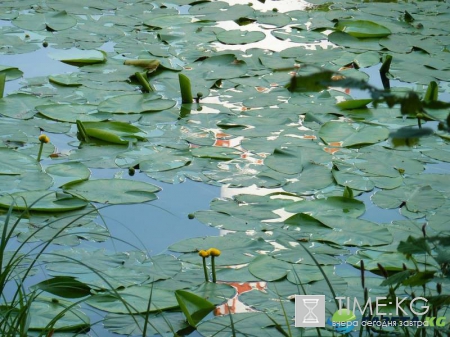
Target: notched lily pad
column 113, row 191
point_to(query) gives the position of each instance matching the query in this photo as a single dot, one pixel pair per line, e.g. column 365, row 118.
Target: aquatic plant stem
column 213, row 267
column 205, row 269
column 40, row 152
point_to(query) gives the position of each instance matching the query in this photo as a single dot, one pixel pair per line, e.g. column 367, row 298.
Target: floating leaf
column 135, row 103
column 351, row 134
column 15, row 163
column 113, row 191
column 291, row 159
column 68, row 173
column 67, row 80
column 43, row 312
column 240, row 36
column 78, row 56
column 113, row 132
column 354, row 104
column 72, row 112
column 44, row 201
column 134, row 299
column 20, row 106
column 269, row 269
column 331, row 205
column 64, row 286
column 11, row 73
column 53, row 21
column 416, row 198
column 215, row 152
column 362, row 28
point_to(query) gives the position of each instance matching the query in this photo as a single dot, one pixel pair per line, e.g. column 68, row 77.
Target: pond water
column 153, row 227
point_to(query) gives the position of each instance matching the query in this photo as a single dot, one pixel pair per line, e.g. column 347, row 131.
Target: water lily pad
column 346, row 40
column 342, row 230
column 68, row 172
column 44, row 201
column 269, row 269
column 79, row 57
column 112, row 132
column 416, row 198
column 20, row 106
column 135, row 103
column 331, row 205
column 353, row 104
column 113, row 191
column 12, row 73
column 43, row 312
column 291, row 159
column 67, row 80
column 15, row 163
column 215, row 152
column 351, row 134
column 72, row 112
column 130, row 325
column 137, row 298
column 362, row 28
column 53, row 21
column 240, row 36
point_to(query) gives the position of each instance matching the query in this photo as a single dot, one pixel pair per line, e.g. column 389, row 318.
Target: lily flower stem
column 213, row 267
column 205, row 270
column 40, row 152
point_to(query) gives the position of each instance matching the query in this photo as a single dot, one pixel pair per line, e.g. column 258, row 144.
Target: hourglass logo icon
column 310, row 311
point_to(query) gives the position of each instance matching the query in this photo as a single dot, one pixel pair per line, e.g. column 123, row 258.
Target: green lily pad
column 114, row 132
column 113, row 191
column 416, row 198
column 351, row 134
column 70, row 172
column 15, row 163
column 67, row 80
column 135, row 299
column 240, row 36
column 43, row 312
column 72, row 112
column 51, row 20
column 12, row 73
column 42, row 201
column 20, row 106
column 353, row 104
column 215, row 152
column 331, row 205
column 362, row 28
column 135, row 103
column 78, row 56
column 291, row 159
column 269, row 269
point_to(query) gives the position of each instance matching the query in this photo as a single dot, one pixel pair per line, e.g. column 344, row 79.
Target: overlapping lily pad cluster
column 247, row 130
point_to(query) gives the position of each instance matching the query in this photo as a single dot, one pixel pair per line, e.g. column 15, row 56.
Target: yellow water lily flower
column 44, row 139
column 204, row 253
column 214, row 252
